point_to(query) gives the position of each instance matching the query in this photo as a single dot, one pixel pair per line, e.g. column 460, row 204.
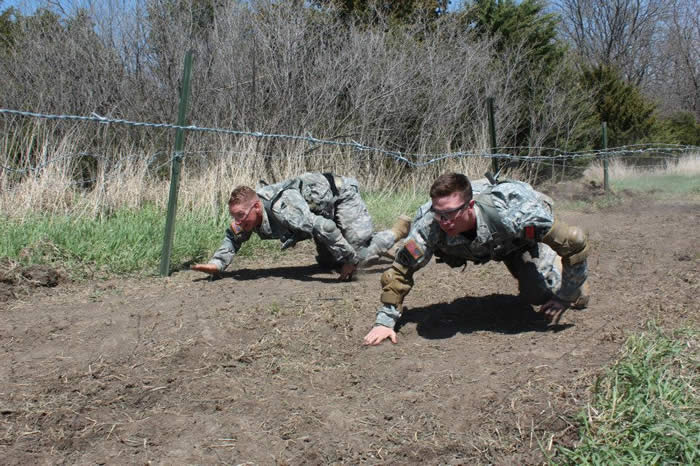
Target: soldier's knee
column 578, row 250
column 325, row 228
column 570, row 242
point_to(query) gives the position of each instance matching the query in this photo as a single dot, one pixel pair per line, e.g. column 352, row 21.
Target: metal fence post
column 606, row 177
column 175, row 172
column 492, row 133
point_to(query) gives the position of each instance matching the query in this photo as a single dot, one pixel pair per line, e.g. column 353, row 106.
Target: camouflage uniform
column 322, row 207
column 512, row 222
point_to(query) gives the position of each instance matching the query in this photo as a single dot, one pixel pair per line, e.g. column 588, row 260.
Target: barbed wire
column 414, row 160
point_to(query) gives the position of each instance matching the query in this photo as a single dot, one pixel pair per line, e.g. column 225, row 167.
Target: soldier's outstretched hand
column 379, row 334
column 553, row 310
column 206, row 268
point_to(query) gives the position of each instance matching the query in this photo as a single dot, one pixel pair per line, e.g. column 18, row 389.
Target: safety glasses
column 447, row 215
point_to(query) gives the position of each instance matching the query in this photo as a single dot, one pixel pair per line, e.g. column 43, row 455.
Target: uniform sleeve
column 293, row 212
column 229, row 247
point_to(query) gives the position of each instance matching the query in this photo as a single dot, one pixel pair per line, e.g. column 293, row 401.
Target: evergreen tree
column 629, row 115
column 525, row 40
column 9, row 28
column 517, row 24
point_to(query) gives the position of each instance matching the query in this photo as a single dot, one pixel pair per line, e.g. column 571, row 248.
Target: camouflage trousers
column 540, row 275
column 355, row 223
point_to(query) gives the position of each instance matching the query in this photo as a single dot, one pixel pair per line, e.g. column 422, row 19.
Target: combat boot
column 401, row 227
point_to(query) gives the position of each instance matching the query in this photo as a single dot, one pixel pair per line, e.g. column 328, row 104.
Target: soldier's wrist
column 387, row 316
column 218, row 264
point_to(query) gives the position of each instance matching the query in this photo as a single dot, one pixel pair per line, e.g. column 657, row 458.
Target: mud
column 265, row 365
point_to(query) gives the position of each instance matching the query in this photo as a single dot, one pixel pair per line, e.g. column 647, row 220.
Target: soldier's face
column 247, row 215
column 454, row 215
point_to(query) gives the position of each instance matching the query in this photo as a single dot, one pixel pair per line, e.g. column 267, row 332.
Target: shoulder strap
column 331, row 181
column 285, row 185
column 485, row 202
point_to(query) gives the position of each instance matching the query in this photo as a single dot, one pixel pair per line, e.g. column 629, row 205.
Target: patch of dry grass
column 619, row 170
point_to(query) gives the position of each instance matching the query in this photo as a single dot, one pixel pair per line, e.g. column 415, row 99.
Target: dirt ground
column 265, row 366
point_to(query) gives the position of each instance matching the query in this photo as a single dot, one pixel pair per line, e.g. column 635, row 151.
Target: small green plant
column 275, row 309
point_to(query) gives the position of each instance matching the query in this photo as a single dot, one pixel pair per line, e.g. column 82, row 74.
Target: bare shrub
column 274, row 67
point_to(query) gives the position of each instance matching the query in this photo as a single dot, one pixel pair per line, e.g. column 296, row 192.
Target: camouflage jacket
column 511, row 217
column 293, row 211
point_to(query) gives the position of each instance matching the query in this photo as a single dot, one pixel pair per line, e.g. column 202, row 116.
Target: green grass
column 386, row 207
column 663, row 183
column 130, row 241
column 646, row 409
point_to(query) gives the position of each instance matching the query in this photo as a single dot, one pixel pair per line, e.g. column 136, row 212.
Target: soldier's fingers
column 393, row 337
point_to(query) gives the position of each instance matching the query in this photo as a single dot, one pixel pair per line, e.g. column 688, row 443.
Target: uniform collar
column 264, row 227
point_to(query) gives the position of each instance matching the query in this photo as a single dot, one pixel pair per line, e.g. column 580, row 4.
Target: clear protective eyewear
column 447, row 215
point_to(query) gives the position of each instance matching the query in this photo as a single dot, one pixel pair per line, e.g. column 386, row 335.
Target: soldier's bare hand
column 206, row 268
column 553, row 310
column 379, row 334
column 346, row 271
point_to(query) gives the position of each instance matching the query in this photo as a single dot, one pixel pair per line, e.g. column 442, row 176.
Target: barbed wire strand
column 558, row 154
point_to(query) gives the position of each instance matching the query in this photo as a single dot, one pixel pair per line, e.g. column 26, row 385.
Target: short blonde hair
column 241, row 195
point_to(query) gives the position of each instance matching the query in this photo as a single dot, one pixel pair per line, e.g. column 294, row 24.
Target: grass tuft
column 646, row 409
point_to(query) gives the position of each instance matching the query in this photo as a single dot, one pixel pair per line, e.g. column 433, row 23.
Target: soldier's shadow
column 497, row 313
column 303, row 273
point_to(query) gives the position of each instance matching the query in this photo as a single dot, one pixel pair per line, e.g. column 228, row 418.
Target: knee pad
column 569, row 242
column 396, row 283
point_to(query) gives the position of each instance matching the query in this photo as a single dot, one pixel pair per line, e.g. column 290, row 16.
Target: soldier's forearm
column 220, row 265
column 387, row 316
column 222, row 258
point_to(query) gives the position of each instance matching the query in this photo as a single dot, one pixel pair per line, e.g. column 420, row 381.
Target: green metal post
column 606, row 176
column 492, row 133
column 175, row 172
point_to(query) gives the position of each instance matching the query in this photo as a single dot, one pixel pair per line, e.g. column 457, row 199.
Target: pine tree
column 629, row 115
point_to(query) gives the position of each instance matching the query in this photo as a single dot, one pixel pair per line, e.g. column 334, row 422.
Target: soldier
column 318, row 206
column 506, row 221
